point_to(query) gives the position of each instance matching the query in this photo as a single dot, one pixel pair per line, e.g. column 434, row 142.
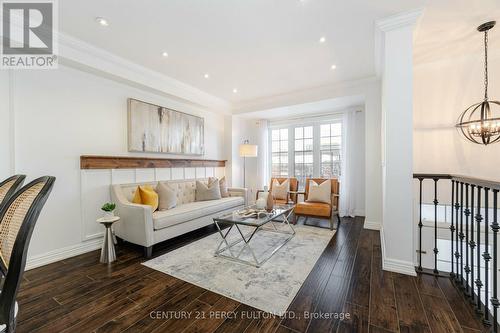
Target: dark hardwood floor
column 347, row 291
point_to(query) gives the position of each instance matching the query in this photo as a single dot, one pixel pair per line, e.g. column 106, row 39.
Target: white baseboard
column 63, row 253
column 398, row 266
column 372, row 225
column 395, row 265
column 359, row 212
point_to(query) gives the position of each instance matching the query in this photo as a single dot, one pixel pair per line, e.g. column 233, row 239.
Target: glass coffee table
column 265, row 222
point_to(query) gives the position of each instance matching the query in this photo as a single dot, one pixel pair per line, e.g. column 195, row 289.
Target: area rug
column 270, row 288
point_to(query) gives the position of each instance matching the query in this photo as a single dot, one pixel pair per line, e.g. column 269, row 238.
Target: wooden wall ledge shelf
column 128, row 162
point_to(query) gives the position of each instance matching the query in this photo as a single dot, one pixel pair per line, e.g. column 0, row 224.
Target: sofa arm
column 136, row 221
column 238, row 192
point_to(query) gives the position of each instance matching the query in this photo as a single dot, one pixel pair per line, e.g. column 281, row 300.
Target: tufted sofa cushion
column 185, row 189
column 193, row 210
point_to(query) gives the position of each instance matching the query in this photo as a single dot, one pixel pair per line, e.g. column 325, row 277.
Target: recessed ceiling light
column 102, row 21
column 235, row 90
column 322, row 39
column 333, row 67
column 165, row 54
column 206, row 76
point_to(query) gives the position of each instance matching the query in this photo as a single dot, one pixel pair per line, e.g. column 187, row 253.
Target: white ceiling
column 448, row 29
column 261, row 47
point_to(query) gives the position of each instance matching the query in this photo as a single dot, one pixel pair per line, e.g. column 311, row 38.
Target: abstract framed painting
column 157, row 129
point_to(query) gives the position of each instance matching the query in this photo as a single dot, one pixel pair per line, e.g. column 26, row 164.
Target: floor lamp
column 247, row 150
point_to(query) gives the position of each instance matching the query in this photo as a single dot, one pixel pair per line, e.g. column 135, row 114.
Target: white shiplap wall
column 96, row 184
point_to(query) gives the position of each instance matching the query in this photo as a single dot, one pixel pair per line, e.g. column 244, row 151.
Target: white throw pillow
column 280, row 191
column 167, row 196
column 320, row 193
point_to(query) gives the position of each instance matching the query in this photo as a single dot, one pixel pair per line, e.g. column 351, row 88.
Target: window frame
column 316, row 123
column 279, row 152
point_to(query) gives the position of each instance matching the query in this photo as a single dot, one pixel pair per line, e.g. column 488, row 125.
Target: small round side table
column 108, row 247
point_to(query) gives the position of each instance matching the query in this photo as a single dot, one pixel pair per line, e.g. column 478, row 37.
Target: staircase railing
column 473, row 224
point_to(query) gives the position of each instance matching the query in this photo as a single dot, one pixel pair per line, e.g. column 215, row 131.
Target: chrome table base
column 108, row 254
column 254, row 261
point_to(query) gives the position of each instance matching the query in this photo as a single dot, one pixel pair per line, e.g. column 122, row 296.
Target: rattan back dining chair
column 17, row 221
column 9, row 186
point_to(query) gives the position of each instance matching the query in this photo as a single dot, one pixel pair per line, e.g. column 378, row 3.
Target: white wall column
column 397, row 141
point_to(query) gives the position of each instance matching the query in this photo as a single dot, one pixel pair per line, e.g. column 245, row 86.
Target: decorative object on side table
column 480, row 122
column 109, row 212
column 252, row 213
column 270, row 201
column 261, row 201
column 109, row 209
column 108, row 254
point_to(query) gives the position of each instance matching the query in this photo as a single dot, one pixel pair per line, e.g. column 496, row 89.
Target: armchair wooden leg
column 331, row 222
column 338, row 218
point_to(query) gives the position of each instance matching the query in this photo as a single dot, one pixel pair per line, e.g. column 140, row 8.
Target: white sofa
column 139, row 225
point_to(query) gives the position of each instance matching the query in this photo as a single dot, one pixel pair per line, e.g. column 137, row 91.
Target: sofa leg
column 148, row 251
column 331, row 222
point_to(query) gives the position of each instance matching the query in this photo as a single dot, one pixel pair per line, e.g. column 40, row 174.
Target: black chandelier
column 480, row 122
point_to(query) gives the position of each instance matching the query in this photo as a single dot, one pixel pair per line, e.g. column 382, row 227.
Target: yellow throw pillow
column 145, row 195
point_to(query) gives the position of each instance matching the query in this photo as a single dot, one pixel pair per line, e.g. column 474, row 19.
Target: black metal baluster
column 436, row 251
column 461, row 235
column 452, row 227
column 495, row 227
column 472, row 243
column 420, row 225
column 467, row 213
column 457, row 254
column 487, row 258
column 479, row 218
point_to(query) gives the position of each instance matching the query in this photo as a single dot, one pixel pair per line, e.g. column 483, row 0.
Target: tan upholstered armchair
column 320, row 209
column 294, row 185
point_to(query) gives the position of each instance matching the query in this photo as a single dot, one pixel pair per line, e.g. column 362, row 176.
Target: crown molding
column 404, row 19
column 400, row 20
column 75, row 53
column 314, row 94
column 78, row 54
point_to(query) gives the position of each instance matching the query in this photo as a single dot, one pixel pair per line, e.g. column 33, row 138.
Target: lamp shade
column 248, row 150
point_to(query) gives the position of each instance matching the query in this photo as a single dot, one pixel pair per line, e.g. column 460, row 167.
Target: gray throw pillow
column 167, row 196
column 207, row 192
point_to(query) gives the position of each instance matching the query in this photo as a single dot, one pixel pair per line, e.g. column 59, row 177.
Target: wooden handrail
column 494, row 185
